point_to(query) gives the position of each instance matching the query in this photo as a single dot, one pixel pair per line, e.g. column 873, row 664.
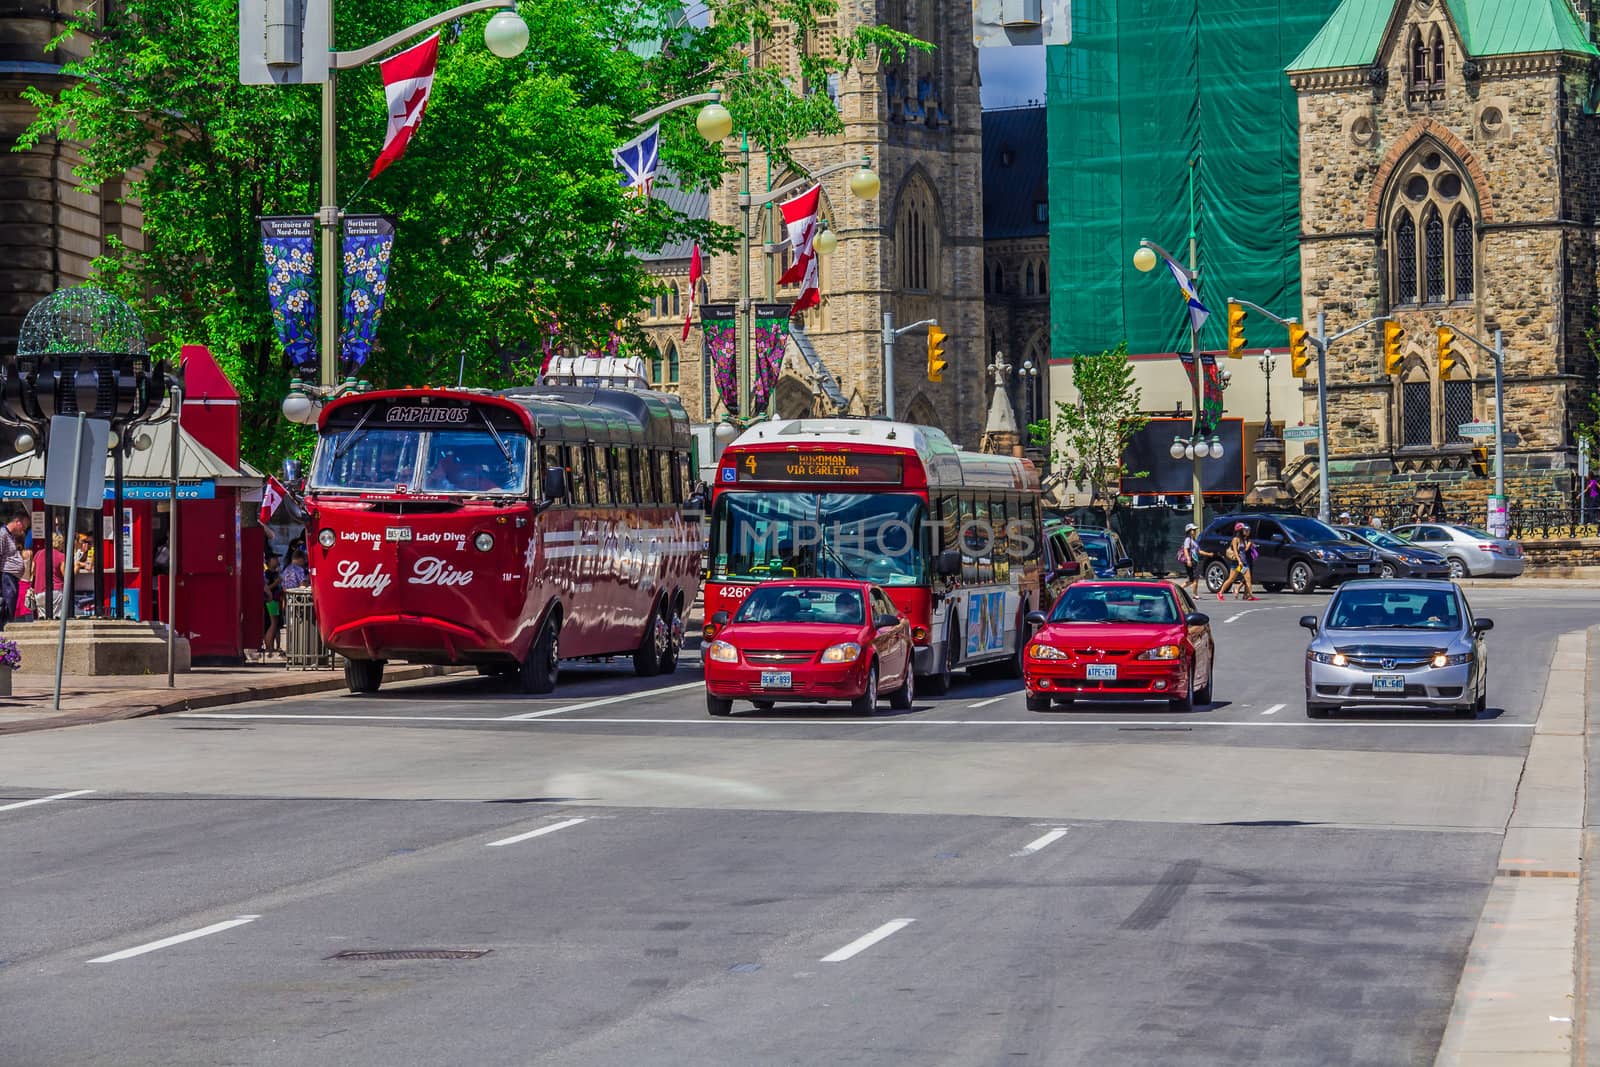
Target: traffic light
column 1236, row 315
column 936, row 363
column 1299, row 360
column 1394, row 338
column 1447, row 351
column 1480, row 461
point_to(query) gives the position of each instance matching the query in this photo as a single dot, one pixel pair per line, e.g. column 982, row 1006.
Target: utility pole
column 889, row 334
column 1497, row 503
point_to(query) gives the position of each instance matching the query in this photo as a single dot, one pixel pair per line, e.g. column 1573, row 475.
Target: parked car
column 1120, row 640
column 809, row 641
column 1111, row 560
column 1066, row 558
column 1292, row 551
column 1396, row 558
column 1468, row 551
column 1397, row 642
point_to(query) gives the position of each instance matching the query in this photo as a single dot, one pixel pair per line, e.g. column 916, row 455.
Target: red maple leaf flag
column 695, row 274
column 407, row 81
column 800, row 216
column 273, row 495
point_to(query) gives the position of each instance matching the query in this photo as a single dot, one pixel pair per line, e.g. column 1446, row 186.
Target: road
column 965, row 883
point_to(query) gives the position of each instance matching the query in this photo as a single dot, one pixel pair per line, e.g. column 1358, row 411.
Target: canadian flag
column 800, row 216
column 695, row 274
column 407, row 81
column 273, row 494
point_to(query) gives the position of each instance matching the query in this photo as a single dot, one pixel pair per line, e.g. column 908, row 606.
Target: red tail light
column 1489, row 548
column 919, row 635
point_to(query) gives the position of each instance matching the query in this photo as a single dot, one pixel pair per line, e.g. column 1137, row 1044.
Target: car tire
column 653, row 644
column 1184, row 704
column 718, row 705
column 867, row 702
column 363, row 675
column 1301, row 580
column 1318, row 711
column 1272, row 587
column 1216, row 575
column 1038, row 702
column 1203, row 694
column 901, row 699
column 938, row 683
column 539, row 672
column 1458, row 569
column 1386, row 570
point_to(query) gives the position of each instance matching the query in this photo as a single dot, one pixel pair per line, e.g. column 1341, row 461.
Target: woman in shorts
column 1239, row 553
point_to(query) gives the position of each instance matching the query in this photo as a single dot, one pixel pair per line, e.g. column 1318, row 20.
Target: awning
column 146, row 474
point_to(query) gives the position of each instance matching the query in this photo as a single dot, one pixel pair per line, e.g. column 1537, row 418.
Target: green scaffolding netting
column 1146, row 87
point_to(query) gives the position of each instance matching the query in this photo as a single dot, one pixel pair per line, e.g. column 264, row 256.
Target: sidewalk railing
column 303, row 647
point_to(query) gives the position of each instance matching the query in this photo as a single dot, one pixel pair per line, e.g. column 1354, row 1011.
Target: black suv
column 1291, row 550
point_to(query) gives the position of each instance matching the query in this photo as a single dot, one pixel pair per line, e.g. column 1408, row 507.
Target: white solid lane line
column 866, row 941
column 176, row 939
column 1044, row 842
column 1274, row 709
column 986, row 703
column 540, row 832
column 46, row 800
column 878, row 723
column 602, row 702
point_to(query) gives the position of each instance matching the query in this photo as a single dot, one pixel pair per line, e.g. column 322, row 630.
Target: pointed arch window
column 672, row 363
column 1461, row 249
column 1405, row 260
column 1433, row 253
column 676, row 306
column 1457, row 407
column 1416, row 413
column 1028, row 282
column 1043, row 285
column 655, row 369
column 1438, row 57
column 916, row 242
column 1419, row 60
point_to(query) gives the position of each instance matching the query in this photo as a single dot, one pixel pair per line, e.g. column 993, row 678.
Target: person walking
column 1240, row 552
column 1189, row 557
column 11, row 565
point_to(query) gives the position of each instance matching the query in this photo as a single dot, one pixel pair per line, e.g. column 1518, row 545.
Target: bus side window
column 1025, row 546
column 578, row 468
column 636, row 477
column 602, row 476
column 685, row 480
column 999, row 514
column 985, row 537
column 661, row 472
column 949, row 518
column 971, row 535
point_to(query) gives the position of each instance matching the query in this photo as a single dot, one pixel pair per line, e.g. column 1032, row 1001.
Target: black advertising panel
column 830, row 466
column 1150, row 451
column 416, row 413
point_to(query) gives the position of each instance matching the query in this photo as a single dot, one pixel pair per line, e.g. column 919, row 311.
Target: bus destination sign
column 835, row 466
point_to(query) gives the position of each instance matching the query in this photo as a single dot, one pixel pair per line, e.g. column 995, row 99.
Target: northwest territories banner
column 719, row 327
column 288, row 242
column 368, row 242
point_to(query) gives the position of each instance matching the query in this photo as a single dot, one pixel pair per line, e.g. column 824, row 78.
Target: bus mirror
column 720, row 619
column 555, row 484
column 947, row 563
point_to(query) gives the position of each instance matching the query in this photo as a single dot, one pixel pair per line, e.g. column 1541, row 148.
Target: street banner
column 719, row 327
column 1211, row 393
column 771, row 338
column 719, row 332
column 638, row 160
column 407, row 81
column 288, row 242
column 368, row 243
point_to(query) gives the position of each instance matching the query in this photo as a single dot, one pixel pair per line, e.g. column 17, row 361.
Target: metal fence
column 303, row 647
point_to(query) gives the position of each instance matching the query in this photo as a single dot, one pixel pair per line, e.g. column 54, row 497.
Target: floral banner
column 771, row 338
column 368, row 241
column 288, row 243
column 1211, row 397
column 719, row 327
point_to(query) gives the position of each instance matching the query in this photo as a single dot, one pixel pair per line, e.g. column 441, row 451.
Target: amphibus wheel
column 669, row 660
column 363, row 675
column 652, row 651
column 539, row 671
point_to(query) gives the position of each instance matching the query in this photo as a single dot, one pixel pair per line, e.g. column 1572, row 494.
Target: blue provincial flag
column 1198, row 312
column 638, row 160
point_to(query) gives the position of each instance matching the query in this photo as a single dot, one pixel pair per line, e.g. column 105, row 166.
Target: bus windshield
column 442, row 461
column 874, row 537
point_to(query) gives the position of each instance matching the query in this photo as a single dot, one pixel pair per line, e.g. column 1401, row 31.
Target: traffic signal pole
column 1498, row 352
column 889, row 334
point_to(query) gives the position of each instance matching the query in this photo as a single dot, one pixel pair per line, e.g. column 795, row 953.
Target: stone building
column 1016, row 253
column 1450, row 170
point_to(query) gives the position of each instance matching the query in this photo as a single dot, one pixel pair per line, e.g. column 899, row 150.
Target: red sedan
column 1126, row 640
column 806, row 642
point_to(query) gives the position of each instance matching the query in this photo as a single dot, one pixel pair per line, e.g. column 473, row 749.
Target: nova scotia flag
column 1198, row 312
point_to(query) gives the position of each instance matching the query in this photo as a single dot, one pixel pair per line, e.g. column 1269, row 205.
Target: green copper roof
column 1351, row 37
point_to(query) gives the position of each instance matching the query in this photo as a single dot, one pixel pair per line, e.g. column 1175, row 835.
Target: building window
column 1027, row 285
column 672, row 364
column 1405, row 258
column 1044, row 286
column 655, row 369
column 1419, row 60
column 1433, row 250
column 1041, row 211
column 1438, row 57
column 1462, row 249
column 1457, row 408
column 676, row 306
column 1416, row 413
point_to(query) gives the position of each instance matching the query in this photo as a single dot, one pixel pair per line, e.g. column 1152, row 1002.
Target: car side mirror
column 555, row 483
column 1125, row 561
column 1480, row 626
column 1197, row 618
column 1036, row 618
column 1309, row 622
column 1277, row 537
column 1066, row 569
column 947, row 564
column 883, row 622
column 720, row 618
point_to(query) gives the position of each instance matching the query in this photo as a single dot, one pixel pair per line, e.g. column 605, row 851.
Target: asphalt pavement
column 624, row 879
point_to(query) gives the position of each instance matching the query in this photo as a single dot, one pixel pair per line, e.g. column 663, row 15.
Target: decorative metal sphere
column 726, row 432
column 81, row 321
column 506, row 35
column 1145, row 260
column 25, row 443
column 142, row 443
column 714, row 122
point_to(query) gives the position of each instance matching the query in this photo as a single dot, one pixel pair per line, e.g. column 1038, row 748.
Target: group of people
column 276, row 580
column 27, row 571
column 1240, row 554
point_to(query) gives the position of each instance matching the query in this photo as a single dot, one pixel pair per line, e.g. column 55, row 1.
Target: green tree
column 510, row 216
column 1092, row 432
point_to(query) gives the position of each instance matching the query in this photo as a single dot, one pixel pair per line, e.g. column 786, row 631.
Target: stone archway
column 921, row 411
column 793, row 399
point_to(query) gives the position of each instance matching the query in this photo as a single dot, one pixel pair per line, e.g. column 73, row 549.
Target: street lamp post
column 1030, row 385
column 1267, row 364
column 1195, row 448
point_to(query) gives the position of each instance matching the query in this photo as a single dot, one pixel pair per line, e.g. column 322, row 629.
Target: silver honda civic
column 1397, row 643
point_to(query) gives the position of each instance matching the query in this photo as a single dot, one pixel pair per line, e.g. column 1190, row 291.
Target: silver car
column 1397, row 643
column 1468, row 551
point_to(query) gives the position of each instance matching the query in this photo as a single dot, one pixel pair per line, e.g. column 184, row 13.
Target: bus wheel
column 651, row 654
column 1012, row 668
column 669, row 660
column 363, row 675
column 539, row 671
column 938, row 683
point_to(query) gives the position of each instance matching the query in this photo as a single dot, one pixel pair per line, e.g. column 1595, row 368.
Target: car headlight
column 1043, row 651
column 1160, row 652
column 325, row 538
column 1322, row 554
column 845, row 652
column 722, row 652
column 1337, row 659
column 1410, row 561
column 1442, row 659
column 483, row 542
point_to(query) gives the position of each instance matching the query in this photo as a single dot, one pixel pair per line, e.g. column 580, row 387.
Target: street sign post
column 1301, row 433
column 73, row 478
column 1476, row 429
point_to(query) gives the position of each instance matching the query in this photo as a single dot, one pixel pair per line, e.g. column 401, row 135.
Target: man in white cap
column 1189, row 555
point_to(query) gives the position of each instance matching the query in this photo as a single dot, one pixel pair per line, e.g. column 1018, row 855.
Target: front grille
column 1103, row 653
column 1376, row 663
column 777, row 656
column 1118, row 683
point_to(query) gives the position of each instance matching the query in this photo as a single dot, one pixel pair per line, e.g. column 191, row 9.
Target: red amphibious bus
column 506, row 530
column 952, row 536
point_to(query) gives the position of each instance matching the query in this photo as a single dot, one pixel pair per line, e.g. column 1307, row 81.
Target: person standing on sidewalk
column 11, row 562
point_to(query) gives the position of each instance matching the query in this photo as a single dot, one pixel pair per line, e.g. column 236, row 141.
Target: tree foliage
column 510, row 216
column 1092, row 433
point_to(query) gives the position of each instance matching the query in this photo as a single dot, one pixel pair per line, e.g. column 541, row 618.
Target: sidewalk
column 108, row 697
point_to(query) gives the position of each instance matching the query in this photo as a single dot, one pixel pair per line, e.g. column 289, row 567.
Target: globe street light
column 506, row 35
column 714, row 122
column 1145, row 260
column 826, row 243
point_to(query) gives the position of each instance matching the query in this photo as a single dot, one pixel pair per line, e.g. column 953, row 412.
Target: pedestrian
column 272, row 595
column 295, row 575
column 1240, row 552
column 1189, row 556
column 30, row 561
column 11, row 565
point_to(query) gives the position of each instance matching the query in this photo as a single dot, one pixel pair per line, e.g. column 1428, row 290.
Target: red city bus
column 952, row 536
column 505, row 530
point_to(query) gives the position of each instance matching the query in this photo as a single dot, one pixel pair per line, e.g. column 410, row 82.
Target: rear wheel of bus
column 938, row 683
column 654, row 654
column 363, row 675
column 539, row 671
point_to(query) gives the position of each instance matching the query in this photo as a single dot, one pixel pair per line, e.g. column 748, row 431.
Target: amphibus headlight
column 483, row 542
column 325, row 537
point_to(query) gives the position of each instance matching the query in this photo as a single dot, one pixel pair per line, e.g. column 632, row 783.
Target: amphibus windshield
column 875, row 537
column 439, row 461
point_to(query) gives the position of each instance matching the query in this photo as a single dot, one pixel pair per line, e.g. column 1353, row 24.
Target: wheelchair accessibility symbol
column 729, row 474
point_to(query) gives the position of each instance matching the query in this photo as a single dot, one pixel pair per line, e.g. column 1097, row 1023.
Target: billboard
column 1150, row 451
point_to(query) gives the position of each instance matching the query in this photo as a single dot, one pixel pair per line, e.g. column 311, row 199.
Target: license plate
column 1388, row 683
column 1364, row 568
column 1102, row 672
column 777, row 679
column 397, row 533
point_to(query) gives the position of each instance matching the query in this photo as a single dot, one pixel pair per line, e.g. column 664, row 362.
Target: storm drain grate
column 356, row 955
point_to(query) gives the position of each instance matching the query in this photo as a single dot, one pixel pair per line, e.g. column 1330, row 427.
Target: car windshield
column 776, row 603
column 1395, row 609
column 1473, row 531
column 1383, row 539
column 1115, row 603
column 1304, row 529
column 367, row 459
column 451, row 461
column 468, row 461
column 1098, row 545
column 877, row 537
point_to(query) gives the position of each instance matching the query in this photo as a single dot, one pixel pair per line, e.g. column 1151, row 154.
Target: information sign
column 831, row 466
column 1301, row 433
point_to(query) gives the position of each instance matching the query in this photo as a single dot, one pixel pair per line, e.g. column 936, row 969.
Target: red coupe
column 1120, row 640
column 807, row 642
